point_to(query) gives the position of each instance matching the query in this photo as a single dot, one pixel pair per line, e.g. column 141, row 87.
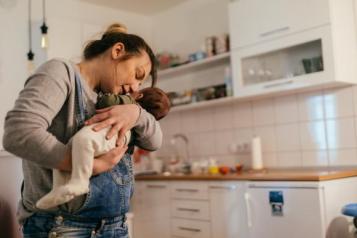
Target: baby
column 87, row 144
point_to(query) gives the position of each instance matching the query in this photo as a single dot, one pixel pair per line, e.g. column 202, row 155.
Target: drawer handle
column 189, row 229
column 231, row 187
column 278, row 84
column 191, row 190
column 155, row 186
column 275, row 31
column 247, row 205
column 188, row 209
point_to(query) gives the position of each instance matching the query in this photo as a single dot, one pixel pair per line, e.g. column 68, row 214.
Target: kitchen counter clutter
column 307, row 174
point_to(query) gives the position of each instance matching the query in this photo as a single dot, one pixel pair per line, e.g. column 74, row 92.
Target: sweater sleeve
column 148, row 131
column 26, row 125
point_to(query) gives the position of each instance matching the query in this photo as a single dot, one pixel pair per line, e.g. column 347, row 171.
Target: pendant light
column 44, row 27
column 30, row 54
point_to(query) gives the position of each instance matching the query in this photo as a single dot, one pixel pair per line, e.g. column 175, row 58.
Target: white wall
column 184, row 28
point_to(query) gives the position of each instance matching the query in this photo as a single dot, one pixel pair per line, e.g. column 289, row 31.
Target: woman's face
column 126, row 76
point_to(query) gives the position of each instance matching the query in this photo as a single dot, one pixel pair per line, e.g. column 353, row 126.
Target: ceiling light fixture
column 44, row 27
column 30, row 54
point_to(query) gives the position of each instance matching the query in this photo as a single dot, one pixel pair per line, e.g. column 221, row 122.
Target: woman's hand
column 121, row 117
column 108, row 160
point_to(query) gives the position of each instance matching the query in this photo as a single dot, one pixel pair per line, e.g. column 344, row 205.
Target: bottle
column 228, row 81
column 213, row 168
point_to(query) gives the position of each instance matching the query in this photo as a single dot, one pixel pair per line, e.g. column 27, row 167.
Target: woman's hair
column 133, row 46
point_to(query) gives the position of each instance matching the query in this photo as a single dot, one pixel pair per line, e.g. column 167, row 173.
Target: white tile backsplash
column 339, row 102
column 223, row 117
column 263, row 112
column 242, row 114
column 313, row 135
column 286, row 109
column 341, row 133
column 299, row 130
column 288, row 137
column 270, row 160
column 207, row 143
column 343, row 157
column 311, row 106
column 223, row 138
column 289, row 159
column 205, row 120
column 315, row 158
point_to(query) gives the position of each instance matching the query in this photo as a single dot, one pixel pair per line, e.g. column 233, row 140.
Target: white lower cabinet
column 228, row 213
column 151, row 208
column 243, row 209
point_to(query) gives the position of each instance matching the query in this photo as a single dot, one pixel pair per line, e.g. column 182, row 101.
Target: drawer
column 197, row 190
column 189, row 228
column 190, row 209
column 253, row 21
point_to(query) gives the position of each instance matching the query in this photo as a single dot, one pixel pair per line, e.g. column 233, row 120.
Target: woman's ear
column 118, row 50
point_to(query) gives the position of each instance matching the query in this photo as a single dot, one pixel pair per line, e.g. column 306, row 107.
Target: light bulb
column 30, row 61
column 44, row 38
column 30, row 66
column 44, row 41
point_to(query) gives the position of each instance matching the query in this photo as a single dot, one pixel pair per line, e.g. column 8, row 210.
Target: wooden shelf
column 193, row 66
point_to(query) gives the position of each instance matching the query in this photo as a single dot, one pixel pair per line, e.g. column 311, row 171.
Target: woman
column 57, row 100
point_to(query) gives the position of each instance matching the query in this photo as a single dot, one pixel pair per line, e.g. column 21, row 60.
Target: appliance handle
column 247, row 204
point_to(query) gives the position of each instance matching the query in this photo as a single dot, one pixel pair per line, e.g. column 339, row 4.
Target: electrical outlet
column 240, row 147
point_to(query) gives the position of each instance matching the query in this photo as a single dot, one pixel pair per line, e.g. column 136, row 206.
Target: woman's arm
column 124, row 117
column 25, row 130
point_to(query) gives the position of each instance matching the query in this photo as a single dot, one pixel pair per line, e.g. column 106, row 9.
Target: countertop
column 316, row 174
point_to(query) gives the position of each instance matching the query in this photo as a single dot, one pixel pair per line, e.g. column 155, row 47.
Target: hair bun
column 116, row 28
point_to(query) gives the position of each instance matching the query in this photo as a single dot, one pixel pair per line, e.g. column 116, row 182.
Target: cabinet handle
column 155, row 186
column 275, row 31
column 247, row 204
column 188, row 209
column 278, row 84
column 189, row 229
column 231, row 187
column 191, row 190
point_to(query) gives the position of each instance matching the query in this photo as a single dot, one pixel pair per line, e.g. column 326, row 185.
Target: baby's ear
column 138, row 95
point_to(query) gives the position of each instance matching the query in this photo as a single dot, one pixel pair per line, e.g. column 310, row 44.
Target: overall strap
column 80, row 106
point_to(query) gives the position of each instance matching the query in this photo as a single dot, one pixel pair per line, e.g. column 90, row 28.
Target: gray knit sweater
column 42, row 122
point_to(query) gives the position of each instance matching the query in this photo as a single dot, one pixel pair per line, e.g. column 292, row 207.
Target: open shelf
column 193, row 66
column 202, row 104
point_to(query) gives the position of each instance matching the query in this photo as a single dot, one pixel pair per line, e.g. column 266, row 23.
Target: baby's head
column 154, row 101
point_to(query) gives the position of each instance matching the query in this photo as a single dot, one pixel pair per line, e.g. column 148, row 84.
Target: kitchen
column 289, row 83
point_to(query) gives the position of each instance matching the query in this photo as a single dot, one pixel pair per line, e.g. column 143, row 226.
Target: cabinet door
column 278, row 66
column 252, row 21
column 282, row 212
column 151, row 208
column 228, row 215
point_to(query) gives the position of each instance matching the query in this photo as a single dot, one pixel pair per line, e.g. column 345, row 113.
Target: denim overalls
column 103, row 212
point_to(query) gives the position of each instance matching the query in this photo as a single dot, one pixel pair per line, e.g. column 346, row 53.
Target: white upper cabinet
column 253, row 21
column 284, row 45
